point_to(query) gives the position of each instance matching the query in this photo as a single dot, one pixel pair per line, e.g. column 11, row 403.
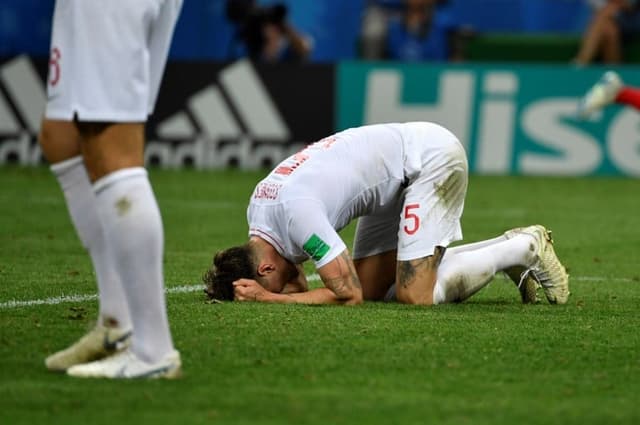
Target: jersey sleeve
column 310, row 229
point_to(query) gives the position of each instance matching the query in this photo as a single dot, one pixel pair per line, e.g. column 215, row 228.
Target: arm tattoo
column 341, row 286
column 352, row 270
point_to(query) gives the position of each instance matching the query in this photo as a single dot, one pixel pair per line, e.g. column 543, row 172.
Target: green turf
column 489, row 360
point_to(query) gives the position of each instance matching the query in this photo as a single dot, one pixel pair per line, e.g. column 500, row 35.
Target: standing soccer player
column 106, row 65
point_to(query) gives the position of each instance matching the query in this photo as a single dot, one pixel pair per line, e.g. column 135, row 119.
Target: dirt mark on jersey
column 451, row 188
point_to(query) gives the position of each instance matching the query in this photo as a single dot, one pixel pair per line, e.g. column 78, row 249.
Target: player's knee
column 44, row 136
column 415, row 279
column 59, row 140
column 51, row 132
column 355, row 297
column 356, row 301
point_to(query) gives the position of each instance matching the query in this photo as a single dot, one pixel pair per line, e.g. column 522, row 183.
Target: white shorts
column 428, row 212
column 108, row 57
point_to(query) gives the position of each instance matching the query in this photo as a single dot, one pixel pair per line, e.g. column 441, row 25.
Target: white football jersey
column 310, row 196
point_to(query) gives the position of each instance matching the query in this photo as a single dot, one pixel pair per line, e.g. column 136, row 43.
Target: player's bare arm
column 342, row 286
column 341, row 278
column 416, row 279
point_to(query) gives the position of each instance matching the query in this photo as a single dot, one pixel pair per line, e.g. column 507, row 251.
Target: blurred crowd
column 414, row 30
column 406, row 30
column 411, row 30
column 614, row 24
column 264, row 33
column 330, row 30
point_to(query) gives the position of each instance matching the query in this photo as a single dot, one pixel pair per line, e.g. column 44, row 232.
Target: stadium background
column 512, row 103
column 490, row 360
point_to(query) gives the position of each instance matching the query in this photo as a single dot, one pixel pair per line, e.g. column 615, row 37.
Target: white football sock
column 133, row 226
column 475, row 245
column 82, row 207
column 462, row 273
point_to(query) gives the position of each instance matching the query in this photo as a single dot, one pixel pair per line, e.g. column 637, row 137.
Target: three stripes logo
column 233, row 122
column 22, row 101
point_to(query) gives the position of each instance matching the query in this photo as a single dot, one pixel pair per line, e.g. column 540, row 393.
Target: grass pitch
column 489, row 360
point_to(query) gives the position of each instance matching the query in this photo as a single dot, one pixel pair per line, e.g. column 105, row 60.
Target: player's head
column 255, row 260
column 228, row 266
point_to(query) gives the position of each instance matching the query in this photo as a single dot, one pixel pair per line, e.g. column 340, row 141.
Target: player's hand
column 248, row 290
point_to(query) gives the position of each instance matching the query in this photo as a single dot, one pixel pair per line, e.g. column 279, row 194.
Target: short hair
column 228, row 266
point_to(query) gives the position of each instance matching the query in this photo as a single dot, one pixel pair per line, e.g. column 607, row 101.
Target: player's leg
column 463, row 272
column 432, row 208
column 416, row 279
column 431, row 220
column 376, row 273
column 629, row 96
column 375, row 251
column 476, row 245
column 375, row 258
column 127, row 204
column 102, row 155
column 528, row 288
column 60, row 142
column 529, row 250
column 601, row 94
column 608, row 90
column 112, row 104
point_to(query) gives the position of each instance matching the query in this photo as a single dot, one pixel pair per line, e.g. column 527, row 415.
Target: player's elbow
column 355, row 299
column 350, row 296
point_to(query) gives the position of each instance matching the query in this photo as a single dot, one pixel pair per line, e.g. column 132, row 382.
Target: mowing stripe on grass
column 196, row 288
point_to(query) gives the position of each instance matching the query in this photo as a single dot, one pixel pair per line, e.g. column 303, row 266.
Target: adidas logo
column 233, row 122
column 22, row 102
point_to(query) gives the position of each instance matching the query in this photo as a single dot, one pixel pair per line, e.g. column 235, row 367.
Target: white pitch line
column 86, row 297
column 48, row 301
column 92, row 297
column 7, row 305
column 602, row 279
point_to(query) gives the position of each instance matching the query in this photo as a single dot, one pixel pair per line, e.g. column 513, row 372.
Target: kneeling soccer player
column 407, row 184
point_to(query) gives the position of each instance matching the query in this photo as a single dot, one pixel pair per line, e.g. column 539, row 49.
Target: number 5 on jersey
column 411, row 218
